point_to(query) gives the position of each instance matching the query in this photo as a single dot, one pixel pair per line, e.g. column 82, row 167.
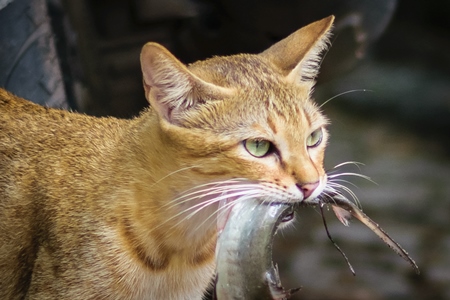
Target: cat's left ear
column 170, row 87
column 298, row 55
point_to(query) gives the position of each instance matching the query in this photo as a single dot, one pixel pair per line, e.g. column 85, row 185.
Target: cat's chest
column 179, row 280
column 171, row 285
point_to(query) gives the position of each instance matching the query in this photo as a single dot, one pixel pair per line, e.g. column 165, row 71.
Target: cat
column 106, row 208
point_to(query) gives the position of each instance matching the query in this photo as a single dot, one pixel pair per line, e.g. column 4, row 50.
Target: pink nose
column 308, row 188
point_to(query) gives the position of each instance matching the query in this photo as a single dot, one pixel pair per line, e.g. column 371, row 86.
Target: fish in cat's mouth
column 244, row 272
column 342, row 207
column 229, row 199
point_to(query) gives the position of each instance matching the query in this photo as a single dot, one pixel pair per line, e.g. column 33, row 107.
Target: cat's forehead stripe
column 271, row 124
column 307, row 117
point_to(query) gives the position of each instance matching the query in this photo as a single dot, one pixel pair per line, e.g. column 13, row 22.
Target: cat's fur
column 103, row 208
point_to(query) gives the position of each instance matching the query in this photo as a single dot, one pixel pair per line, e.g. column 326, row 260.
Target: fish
column 244, row 265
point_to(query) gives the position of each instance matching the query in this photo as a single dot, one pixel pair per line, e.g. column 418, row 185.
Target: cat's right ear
column 298, row 55
column 170, row 87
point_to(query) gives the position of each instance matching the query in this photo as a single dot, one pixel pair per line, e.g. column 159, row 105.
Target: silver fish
column 244, row 266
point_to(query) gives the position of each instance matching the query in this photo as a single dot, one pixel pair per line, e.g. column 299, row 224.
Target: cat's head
column 249, row 118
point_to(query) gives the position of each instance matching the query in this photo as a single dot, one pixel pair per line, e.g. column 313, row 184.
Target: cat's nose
column 308, row 188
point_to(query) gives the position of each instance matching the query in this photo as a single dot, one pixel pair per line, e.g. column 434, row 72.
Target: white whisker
column 172, row 173
column 197, row 190
column 342, row 180
column 352, row 174
column 225, row 207
column 210, row 191
column 338, row 186
column 199, row 198
column 344, row 93
column 202, row 205
column 333, row 194
column 355, row 163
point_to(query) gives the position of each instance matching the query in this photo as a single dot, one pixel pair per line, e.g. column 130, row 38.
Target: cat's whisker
column 352, row 174
column 239, row 191
column 216, row 213
column 207, row 192
column 216, row 199
column 344, row 93
column 267, row 189
column 200, row 206
column 196, row 192
column 335, row 170
column 331, row 174
column 225, row 207
column 214, row 192
column 335, row 177
column 205, row 203
column 343, row 180
column 331, row 193
column 196, row 195
column 338, row 186
column 355, row 163
column 214, row 183
column 220, row 188
column 173, row 173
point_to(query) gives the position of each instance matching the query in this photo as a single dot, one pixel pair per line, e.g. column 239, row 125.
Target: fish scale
column 244, row 265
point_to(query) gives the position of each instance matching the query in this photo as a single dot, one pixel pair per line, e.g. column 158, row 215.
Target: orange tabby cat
column 103, row 208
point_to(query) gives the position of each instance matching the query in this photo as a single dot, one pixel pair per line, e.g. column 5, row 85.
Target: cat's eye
column 314, row 138
column 257, row 147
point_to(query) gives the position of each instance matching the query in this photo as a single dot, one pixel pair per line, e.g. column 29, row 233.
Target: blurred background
column 386, row 76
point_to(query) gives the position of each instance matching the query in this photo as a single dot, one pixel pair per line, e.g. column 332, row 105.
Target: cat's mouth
column 224, row 210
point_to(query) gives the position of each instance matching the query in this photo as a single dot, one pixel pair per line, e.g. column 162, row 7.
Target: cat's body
column 64, row 214
column 102, row 208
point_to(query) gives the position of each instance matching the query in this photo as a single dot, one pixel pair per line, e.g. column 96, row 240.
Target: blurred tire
column 29, row 64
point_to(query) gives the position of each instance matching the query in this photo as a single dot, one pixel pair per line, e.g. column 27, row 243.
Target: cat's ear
column 298, row 55
column 170, row 87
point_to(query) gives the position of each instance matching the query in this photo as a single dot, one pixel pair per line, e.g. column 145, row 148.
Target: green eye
column 314, row 138
column 257, row 148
